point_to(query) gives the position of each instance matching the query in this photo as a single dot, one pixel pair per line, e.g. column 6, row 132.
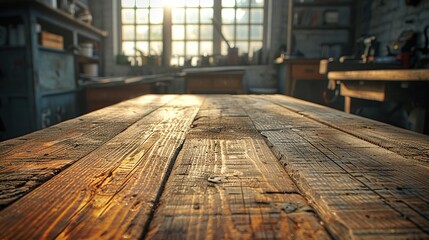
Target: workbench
column 215, row 167
column 209, row 80
column 300, row 78
column 381, row 85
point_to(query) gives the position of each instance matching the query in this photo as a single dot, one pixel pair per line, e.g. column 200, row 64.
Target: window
column 242, row 25
column 142, row 25
column 145, row 25
column 192, row 30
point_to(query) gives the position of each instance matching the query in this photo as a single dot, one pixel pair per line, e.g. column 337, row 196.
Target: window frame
column 167, row 40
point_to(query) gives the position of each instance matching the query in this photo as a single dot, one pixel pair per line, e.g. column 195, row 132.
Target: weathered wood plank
column 109, row 193
column 28, row 161
column 227, row 184
column 359, row 189
column 408, row 144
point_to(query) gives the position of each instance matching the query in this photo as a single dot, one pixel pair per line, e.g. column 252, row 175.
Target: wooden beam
column 370, row 91
column 381, row 75
column 347, row 104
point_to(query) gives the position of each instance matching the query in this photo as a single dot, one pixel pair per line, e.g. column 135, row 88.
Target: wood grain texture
column 381, row 75
column 227, row 184
column 406, row 143
column 359, row 189
column 216, row 167
column 28, row 161
column 110, row 192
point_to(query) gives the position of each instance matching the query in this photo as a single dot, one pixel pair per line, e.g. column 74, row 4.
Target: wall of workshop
column 386, row 19
column 278, row 34
column 105, row 17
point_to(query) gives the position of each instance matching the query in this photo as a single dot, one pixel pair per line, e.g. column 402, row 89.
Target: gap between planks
column 107, row 200
column 406, row 143
column 359, row 189
column 227, row 184
column 28, row 161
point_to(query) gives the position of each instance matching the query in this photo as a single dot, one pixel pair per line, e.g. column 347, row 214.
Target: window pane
column 206, row 3
column 127, row 3
column 193, row 3
column 176, row 3
column 178, row 48
column 156, row 32
column 142, row 32
column 257, row 3
column 242, row 32
column 257, row 16
column 156, row 15
column 192, row 48
column 192, row 15
column 224, row 48
column 256, row 32
column 228, row 32
column 156, row 3
column 243, row 3
column 128, row 48
column 144, row 47
column 254, row 46
column 228, row 15
column 142, row 3
column 192, row 32
column 206, row 32
column 228, row 3
column 128, row 32
column 206, row 15
column 127, row 16
column 242, row 15
column 174, row 61
column 243, row 47
column 178, row 32
column 142, row 16
column 178, row 61
column 155, row 48
column 178, row 15
column 206, row 48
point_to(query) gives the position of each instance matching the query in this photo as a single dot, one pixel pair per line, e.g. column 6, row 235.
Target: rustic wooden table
column 213, row 167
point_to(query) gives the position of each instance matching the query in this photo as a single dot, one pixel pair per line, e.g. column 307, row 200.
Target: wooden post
column 347, row 104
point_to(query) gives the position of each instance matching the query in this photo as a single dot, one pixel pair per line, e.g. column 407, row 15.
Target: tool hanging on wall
column 405, row 47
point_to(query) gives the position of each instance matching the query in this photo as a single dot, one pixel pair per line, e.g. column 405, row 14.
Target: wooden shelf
column 50, row 49
column 324, row 18
column 86, row 59
column 50, row 11
column 322, row 4
column 322, row 28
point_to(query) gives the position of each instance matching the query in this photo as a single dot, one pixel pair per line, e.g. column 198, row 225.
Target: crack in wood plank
column 247, row 202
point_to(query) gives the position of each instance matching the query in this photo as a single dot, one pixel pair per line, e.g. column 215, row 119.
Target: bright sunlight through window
column 190, row 29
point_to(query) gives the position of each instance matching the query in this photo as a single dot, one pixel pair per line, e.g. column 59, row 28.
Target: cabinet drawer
column 306, row 71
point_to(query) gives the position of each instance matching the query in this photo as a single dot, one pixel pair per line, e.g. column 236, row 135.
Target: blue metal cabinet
column 38, row 84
